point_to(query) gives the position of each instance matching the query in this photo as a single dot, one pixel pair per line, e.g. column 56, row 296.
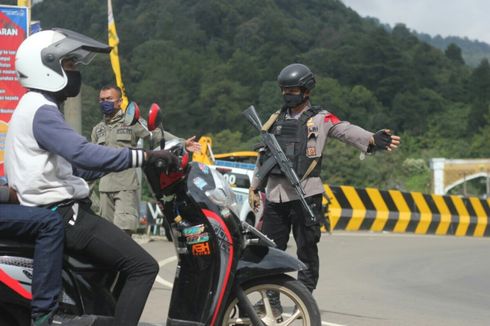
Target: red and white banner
column 13, row 30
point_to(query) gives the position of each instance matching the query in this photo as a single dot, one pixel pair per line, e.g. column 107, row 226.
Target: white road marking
column 331, row 324
column 166, row 261
column 162, row 263
column 168, row 284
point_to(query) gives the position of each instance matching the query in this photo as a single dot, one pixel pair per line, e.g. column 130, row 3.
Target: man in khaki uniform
column 119, row 190
column 302, row 131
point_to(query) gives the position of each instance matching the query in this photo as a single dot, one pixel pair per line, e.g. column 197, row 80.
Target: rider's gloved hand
column 162, row 159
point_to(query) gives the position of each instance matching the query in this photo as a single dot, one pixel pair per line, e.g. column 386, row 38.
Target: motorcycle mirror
column 132, row 114
column 154, row 117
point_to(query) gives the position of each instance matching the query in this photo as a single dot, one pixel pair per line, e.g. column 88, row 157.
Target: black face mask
column 292, row 101
column 74, row 83
column 72, row 87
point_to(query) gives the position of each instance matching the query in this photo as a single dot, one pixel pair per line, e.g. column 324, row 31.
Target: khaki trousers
column 120, row 208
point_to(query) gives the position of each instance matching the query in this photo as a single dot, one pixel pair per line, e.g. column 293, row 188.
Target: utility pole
column 73, row 112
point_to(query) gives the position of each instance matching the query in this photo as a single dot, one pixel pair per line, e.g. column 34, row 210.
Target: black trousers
column 280, row 218
column 104, row 243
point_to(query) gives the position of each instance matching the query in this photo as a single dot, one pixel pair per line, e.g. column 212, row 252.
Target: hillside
column 473, row 51
column 206, row 61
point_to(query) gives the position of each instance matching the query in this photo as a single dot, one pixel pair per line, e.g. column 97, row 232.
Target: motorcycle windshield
column 222, row 195
column 213, row 186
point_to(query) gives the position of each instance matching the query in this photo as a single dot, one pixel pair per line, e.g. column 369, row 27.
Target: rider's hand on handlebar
column 162, row 159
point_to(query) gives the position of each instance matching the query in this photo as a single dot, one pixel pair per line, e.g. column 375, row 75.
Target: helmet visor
column 75, row 46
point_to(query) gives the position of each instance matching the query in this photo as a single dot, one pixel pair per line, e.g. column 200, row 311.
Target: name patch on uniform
column 124, row 131
column 311, row 151
column 100, row 132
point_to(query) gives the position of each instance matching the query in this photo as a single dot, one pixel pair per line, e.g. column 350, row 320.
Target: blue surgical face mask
column 107, row 107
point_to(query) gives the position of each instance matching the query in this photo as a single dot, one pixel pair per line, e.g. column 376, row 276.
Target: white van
column 239, row 175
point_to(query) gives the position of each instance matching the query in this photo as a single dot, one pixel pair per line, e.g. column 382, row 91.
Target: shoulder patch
column 331, row 118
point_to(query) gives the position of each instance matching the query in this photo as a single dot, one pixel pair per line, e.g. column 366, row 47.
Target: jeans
column 101, row 241
column 45, row 228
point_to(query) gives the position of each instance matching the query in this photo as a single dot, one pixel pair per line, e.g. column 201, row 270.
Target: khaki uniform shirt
column 320, row 127
column 114, row 133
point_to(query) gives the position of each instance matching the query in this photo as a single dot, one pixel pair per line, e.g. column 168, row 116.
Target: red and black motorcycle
column 228, row 273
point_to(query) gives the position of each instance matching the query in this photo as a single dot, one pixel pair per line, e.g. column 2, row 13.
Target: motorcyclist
column 46, row 159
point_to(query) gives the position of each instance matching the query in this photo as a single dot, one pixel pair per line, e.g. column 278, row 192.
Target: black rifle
column 278, row 157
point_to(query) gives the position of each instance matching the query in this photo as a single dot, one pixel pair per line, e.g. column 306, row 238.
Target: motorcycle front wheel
column 296, row 303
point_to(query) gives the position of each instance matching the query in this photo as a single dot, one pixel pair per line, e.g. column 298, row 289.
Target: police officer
column 119, row 190
column 302, row 130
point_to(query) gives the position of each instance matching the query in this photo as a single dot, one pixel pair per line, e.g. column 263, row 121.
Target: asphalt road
column 379, row 279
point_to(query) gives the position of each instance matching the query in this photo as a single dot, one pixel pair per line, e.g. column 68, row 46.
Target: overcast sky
column 470, row 18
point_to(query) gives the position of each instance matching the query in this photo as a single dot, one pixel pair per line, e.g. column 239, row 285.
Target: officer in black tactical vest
column 302, row 130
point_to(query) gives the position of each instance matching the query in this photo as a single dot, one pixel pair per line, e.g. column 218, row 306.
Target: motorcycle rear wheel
column 298, row 305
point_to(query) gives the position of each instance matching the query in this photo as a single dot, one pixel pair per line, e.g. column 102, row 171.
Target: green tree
column 453, row 52
column 479, row 91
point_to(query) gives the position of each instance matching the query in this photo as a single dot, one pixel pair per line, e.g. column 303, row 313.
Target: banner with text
column 13, row 30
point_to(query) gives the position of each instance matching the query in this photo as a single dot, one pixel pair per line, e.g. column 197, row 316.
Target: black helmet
column 296, row 75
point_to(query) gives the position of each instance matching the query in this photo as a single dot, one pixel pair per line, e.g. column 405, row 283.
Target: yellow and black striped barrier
column 354, row 209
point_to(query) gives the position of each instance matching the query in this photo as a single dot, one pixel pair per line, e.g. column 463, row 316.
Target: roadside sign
column 14, row 29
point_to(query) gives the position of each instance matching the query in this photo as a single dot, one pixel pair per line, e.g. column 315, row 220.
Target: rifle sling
column 310, row 168
column 266, row 126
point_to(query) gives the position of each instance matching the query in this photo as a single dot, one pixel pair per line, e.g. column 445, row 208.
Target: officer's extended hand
column 192, row 146
column 254, row 199
column 385, row 140
column 162, row 159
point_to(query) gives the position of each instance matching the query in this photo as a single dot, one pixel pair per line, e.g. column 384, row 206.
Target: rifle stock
column 281, row 159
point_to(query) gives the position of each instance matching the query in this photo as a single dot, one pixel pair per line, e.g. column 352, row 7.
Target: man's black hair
column 112, row 86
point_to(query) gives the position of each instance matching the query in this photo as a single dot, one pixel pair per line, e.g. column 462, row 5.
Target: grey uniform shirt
column 114, row 133
column 322, row 126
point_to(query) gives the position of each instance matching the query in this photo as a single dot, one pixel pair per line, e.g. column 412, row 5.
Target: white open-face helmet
column 38, row 59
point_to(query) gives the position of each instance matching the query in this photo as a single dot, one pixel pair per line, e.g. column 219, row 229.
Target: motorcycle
column 225, row 266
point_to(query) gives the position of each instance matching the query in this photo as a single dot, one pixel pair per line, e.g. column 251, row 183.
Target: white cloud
column 464, row 18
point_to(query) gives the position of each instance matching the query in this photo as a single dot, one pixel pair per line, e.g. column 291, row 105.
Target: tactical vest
column 292, row 136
